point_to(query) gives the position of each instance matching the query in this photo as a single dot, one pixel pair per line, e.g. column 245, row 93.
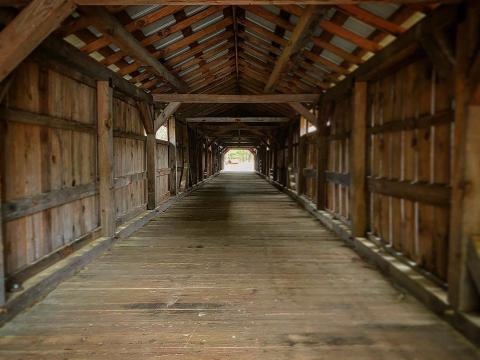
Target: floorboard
column 236, row 270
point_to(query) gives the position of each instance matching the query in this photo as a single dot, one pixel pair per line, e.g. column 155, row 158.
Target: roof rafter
column 107, row 23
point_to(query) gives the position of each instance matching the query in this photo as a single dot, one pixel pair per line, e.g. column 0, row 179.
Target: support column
column 289, row 155
column 3, row 289
column 302, row 159
column 105, row 158
column 358, row 141
column 322, row 161
column 172, row 156
column 464, row 252
column 205, row 161
column 275, row 162
column 151, row 147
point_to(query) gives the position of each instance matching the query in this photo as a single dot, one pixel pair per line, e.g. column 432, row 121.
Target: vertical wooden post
column 465, row 198
column 151, row 146
column 172, row 155
column 289, row 155
column 3, row 289
column 275, row 162
column 322, row 160
column 105, row 157
column 358, row 160
column 302, row 158
column 269, row 161
column 205, row 160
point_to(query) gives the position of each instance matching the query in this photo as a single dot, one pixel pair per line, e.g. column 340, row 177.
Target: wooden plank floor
column 235, row 271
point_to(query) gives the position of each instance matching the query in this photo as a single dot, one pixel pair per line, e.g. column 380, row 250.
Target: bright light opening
column 239, row 160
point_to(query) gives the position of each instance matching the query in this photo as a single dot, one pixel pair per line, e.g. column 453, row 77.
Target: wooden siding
column 411, row 123
column 45, row 158
column 129, row 160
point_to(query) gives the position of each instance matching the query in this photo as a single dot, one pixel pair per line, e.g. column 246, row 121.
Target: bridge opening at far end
column 239, row 160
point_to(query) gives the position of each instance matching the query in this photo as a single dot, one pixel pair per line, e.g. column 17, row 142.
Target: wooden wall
column 338, row 122
column 309, row 171
column 409, row 126
column 49, row 160
column 410, row 120
column 129, row 160
column 163, row 172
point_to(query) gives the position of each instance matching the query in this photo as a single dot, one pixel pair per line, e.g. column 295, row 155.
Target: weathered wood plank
column 301, row 30
column 105, row 157
column 233, row 2
column 240, row 119
column 420, row 122
column 465, row 182
column 169, row 110
column 322, row 159
column 26, row 117
column 28, row 29
column 338, row 178
column 235, row 99
column 36, row 203
column 358, row 158
column 151, row 149
column 126, row 180
column 213, row 282
column 302, row 110
column 415, row 191
column 107, row 23
column 68, row 58
column 3, row 267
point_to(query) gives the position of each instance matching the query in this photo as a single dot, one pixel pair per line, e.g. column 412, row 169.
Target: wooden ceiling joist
column 107, row 23
column 371, row 19
column 28, row 29
column 302, row 27
column 236, row 99
column 287, row 4
column 350, row 36
column 237, row 119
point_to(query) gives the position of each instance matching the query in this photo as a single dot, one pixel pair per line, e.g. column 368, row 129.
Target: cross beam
column 236, row 119
column 236, row 99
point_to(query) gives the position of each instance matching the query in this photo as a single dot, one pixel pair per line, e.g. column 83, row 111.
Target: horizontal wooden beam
column 32, row 204
column 309, row 173
column 338, row 178
column 422, row 122
column 435, row 194
column 237, row 2
column 66, row 57
column 126, row 180
column 236, row 99
column 26, row 117
column 237, row 119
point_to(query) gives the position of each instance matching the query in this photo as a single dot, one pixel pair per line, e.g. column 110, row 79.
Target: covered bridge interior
column 357, row 235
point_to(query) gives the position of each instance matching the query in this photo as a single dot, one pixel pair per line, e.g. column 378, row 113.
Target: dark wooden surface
column 235, row 271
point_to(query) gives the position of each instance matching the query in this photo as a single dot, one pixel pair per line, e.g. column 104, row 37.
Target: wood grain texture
column 105, row 157
column 26, row 31
column 49, row 160
column 221, row 280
